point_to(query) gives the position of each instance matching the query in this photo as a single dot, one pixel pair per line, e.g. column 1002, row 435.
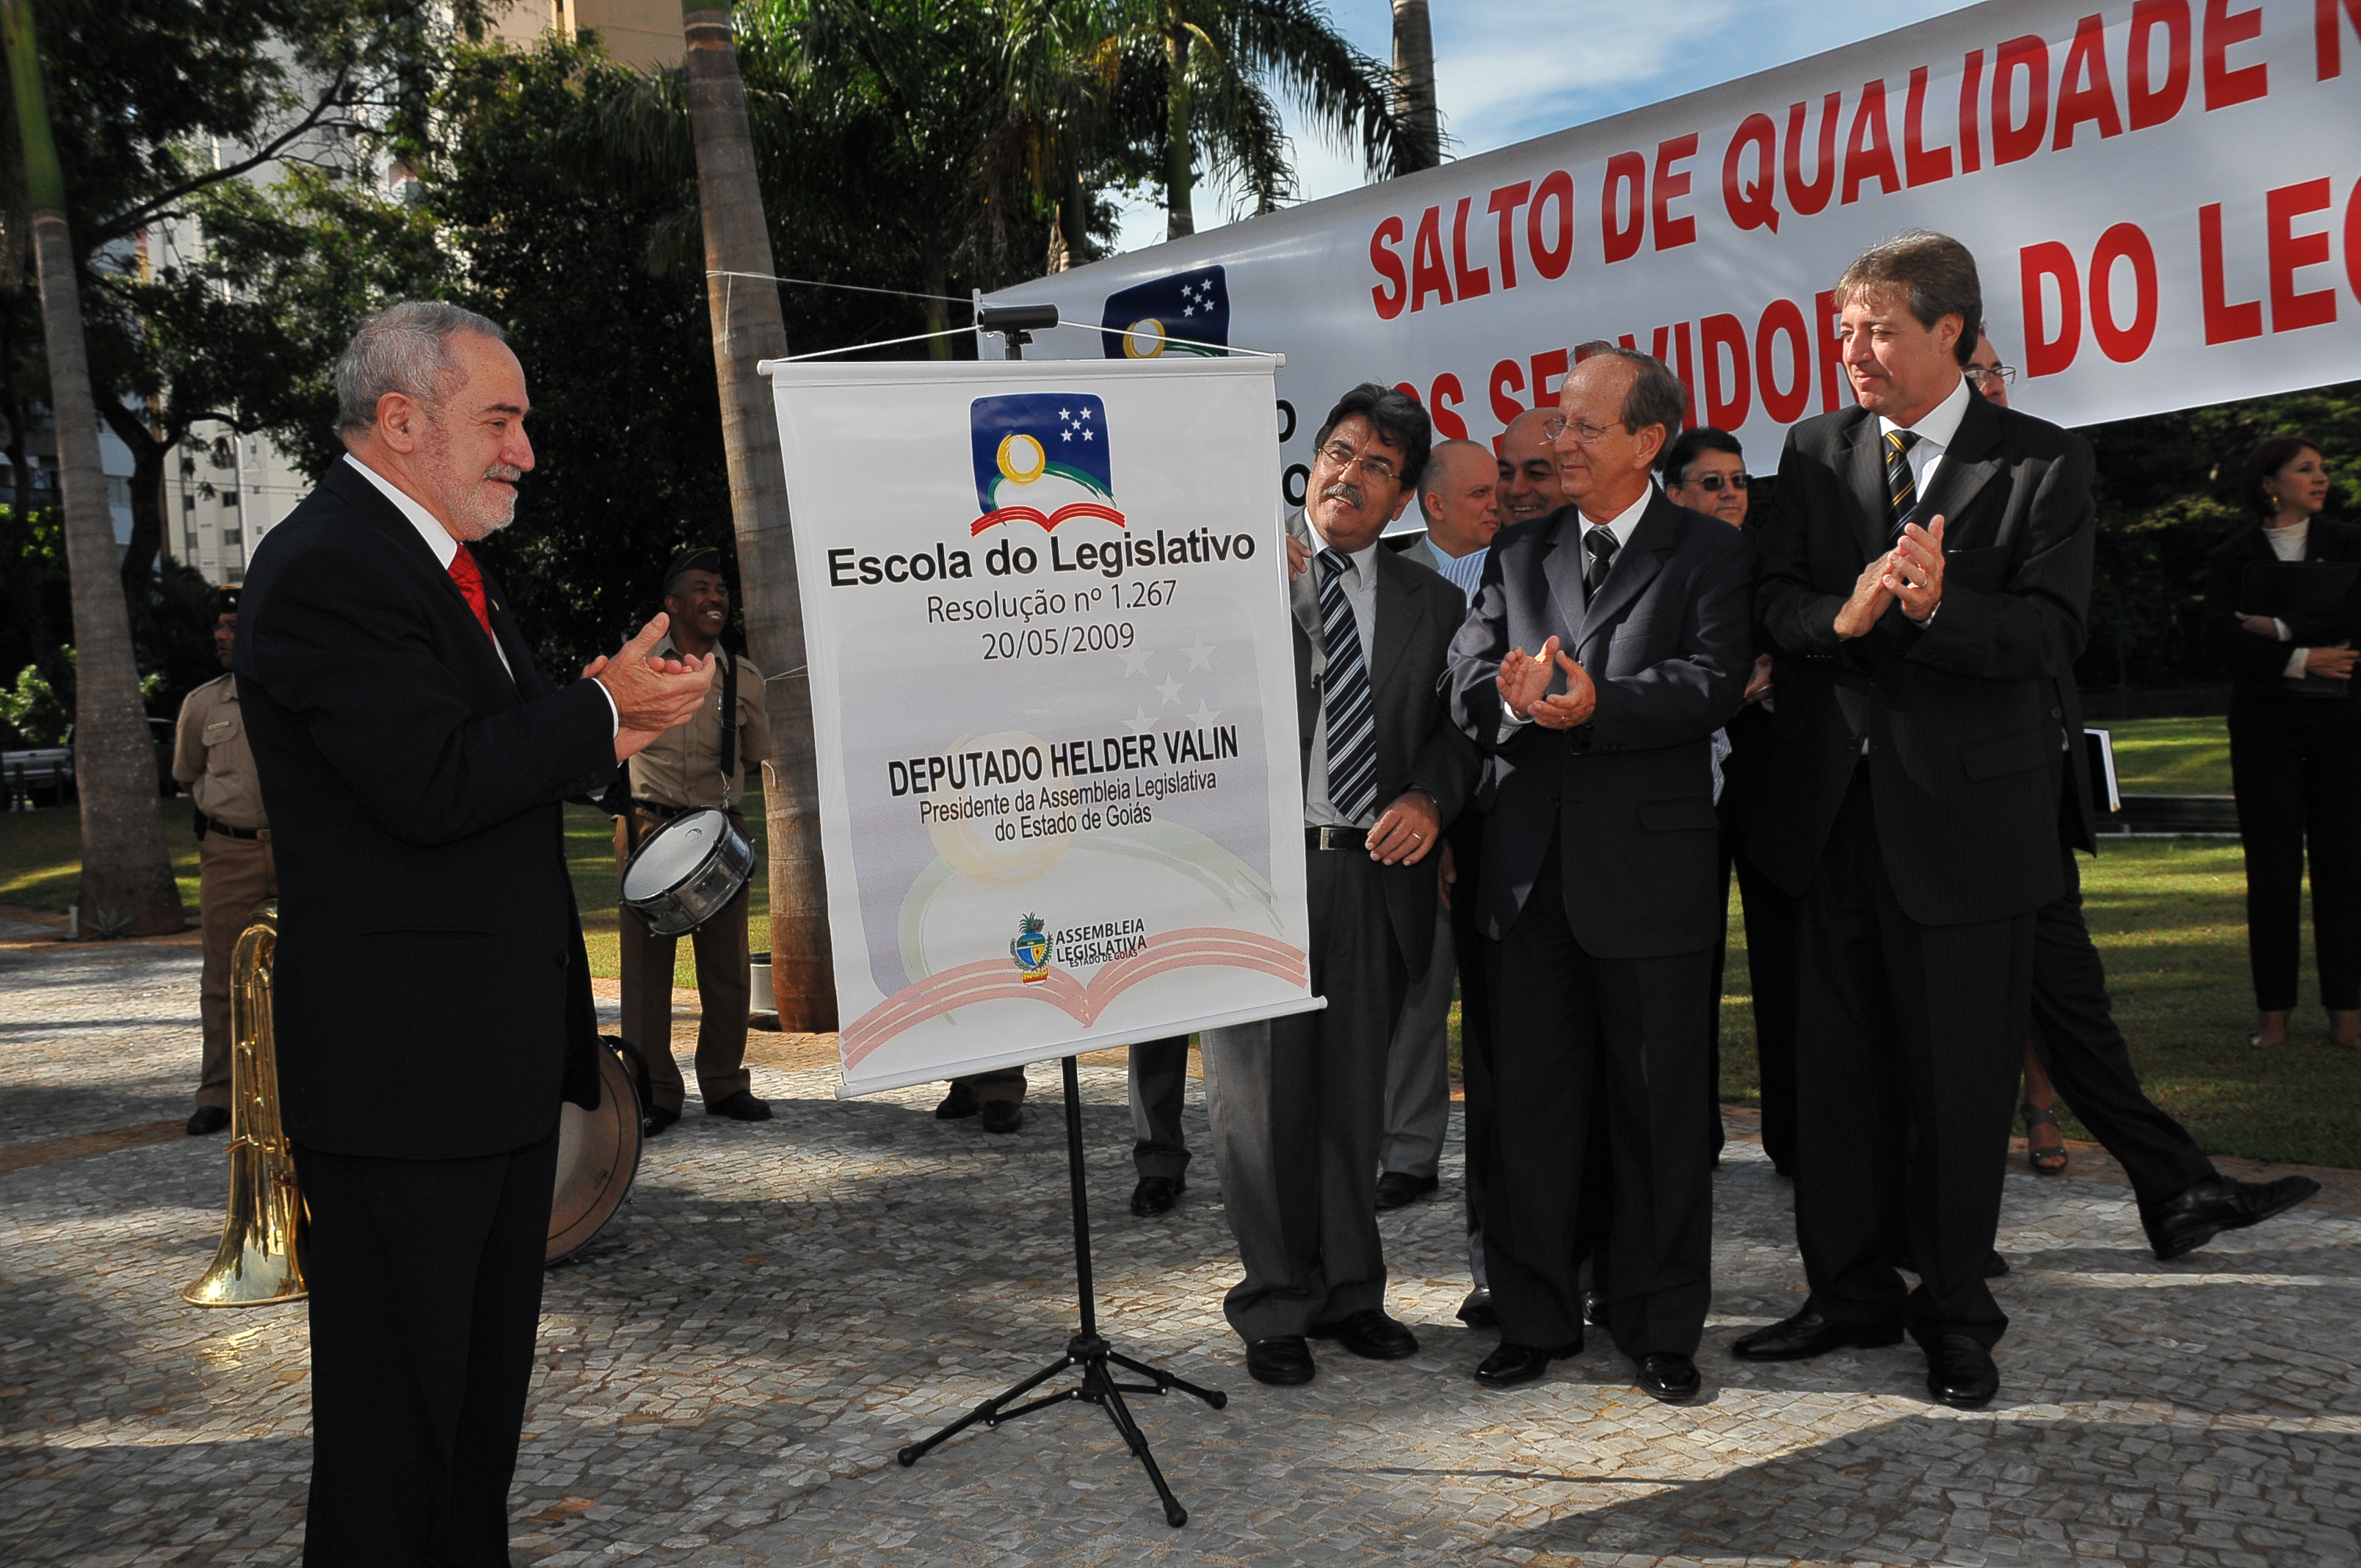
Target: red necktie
column 470, row 579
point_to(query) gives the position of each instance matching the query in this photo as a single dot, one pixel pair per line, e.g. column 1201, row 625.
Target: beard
column 477, row 508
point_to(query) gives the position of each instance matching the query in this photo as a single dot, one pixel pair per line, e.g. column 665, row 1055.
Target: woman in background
column 2295, row 731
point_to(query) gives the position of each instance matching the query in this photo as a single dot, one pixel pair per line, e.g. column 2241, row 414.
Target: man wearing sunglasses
column 1705, row 470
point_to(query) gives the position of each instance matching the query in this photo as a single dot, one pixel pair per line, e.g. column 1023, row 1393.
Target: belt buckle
column 1327, row 837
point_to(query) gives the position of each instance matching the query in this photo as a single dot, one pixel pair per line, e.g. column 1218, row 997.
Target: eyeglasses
column 1980, row 374
column 1585, row 432
column 1712, row 483
column 1341, row 457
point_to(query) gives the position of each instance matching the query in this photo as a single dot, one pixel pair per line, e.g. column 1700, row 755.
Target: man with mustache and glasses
column 1298, row 1104
column 432, row 996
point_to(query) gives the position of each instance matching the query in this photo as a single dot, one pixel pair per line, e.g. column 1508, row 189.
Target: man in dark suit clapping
column 1927, row 557
column 1601, row 873
column 432, row 996
column 1298, row 1104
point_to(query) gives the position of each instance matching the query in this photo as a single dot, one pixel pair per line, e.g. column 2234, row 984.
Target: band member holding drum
column 431, row 995
column 699, row 766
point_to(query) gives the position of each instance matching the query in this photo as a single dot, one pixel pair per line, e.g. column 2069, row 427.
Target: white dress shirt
column 446, row 549
column 1935, row 429
column 1621, row 525
column 1359, row 581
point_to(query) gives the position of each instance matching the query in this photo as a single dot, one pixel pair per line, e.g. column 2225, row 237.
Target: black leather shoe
column 741, row 1107
column 1476, row 1311
column 1808, row 1334
column 1959, row 1372
column 1510, row 1364
column 1399, row 1189
column 959, row 1105
column 1155, row 1195
column 1669, row 1376
column 1003, row 1115
column 656, row 1120
column 2220, row 1203
column 1593, row 1309
column 1370, row 1334
column 1283, row 1361
column 207, row 1118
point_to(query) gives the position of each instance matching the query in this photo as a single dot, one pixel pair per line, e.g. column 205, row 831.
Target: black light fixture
column 1015, row 323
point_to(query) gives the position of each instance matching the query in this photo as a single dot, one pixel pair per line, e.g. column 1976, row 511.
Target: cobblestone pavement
column 726, row 1376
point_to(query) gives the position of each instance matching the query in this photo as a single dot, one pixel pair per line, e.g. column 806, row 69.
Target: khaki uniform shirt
column 682, row 767
column 210, row 760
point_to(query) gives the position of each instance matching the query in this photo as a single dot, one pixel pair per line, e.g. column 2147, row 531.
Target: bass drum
column 598, row 1156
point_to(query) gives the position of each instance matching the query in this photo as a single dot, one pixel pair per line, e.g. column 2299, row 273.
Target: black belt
column 207, row 825
column 657, row 809
column 1335, row 838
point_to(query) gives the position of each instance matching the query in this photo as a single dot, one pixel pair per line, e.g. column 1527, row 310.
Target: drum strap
column 729, row 726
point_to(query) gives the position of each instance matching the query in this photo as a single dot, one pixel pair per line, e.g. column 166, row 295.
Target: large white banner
column 1053, row 701
column 2161, row 195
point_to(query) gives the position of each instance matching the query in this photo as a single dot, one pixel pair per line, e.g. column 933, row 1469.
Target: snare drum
column 687, row 871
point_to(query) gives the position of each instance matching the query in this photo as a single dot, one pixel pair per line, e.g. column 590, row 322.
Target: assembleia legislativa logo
column 1031, row 950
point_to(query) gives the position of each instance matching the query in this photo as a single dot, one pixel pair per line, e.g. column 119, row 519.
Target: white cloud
column 1506, row 72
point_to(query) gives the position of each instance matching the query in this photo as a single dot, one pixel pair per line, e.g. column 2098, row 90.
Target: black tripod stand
column 1086, row 1350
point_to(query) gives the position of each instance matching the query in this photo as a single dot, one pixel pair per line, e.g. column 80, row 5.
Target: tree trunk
column 748, row 328
column 1413, row 92
column 1180, row 165
column 127, row 872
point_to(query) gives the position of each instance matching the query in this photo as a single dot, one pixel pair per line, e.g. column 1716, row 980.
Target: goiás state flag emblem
column 1041, row 457
column 1187, row 312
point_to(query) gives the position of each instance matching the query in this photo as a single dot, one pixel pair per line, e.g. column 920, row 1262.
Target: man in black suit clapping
column 432, row 996
column 1927, row 556
column 1597, row 895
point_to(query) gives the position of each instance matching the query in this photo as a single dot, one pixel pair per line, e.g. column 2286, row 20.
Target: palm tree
column 1413, row 95
column 1215, row 57
column 747, row 329
column 126, row 873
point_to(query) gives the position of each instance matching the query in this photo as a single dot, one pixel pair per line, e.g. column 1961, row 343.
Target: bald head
column 1528, row 469
column 1458, row 493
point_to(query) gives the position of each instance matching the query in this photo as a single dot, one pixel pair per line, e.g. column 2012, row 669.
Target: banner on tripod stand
column 1052, row 700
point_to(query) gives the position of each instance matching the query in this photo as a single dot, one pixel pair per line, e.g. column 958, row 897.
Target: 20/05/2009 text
column 1051, row 641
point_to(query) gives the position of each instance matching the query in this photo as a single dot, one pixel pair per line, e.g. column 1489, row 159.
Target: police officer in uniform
column 234, row 870
column 697, row 765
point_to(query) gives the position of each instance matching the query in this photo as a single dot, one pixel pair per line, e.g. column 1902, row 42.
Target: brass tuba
column 261, row 1256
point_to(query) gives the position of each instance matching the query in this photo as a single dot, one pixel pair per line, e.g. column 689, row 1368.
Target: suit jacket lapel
column 1635, row 566
column 1398, row 619
column 1864, row 486
column 1968, row 466
column 1562, row 569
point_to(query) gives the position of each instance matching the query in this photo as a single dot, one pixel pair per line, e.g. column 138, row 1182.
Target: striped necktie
column 1344, row 698
column 1901, row 488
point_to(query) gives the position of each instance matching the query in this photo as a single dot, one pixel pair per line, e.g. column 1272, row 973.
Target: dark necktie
column 1344, row 698
column 470, row 579
column 1600, row 544
column 1901, row 488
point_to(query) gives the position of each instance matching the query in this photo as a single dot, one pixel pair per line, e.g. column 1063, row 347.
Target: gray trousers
column 1160, row 1083
column 1297, row 1108
column 1418, row 1066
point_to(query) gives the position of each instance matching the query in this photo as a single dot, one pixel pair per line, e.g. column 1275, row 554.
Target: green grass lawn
column 2169, row 919
column 2167, row 913
column 2172, row 756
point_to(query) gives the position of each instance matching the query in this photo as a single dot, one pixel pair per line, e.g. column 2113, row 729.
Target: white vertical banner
column 1053, row 704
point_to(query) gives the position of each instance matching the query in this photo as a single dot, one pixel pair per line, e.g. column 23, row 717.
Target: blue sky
column 1505, row 71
